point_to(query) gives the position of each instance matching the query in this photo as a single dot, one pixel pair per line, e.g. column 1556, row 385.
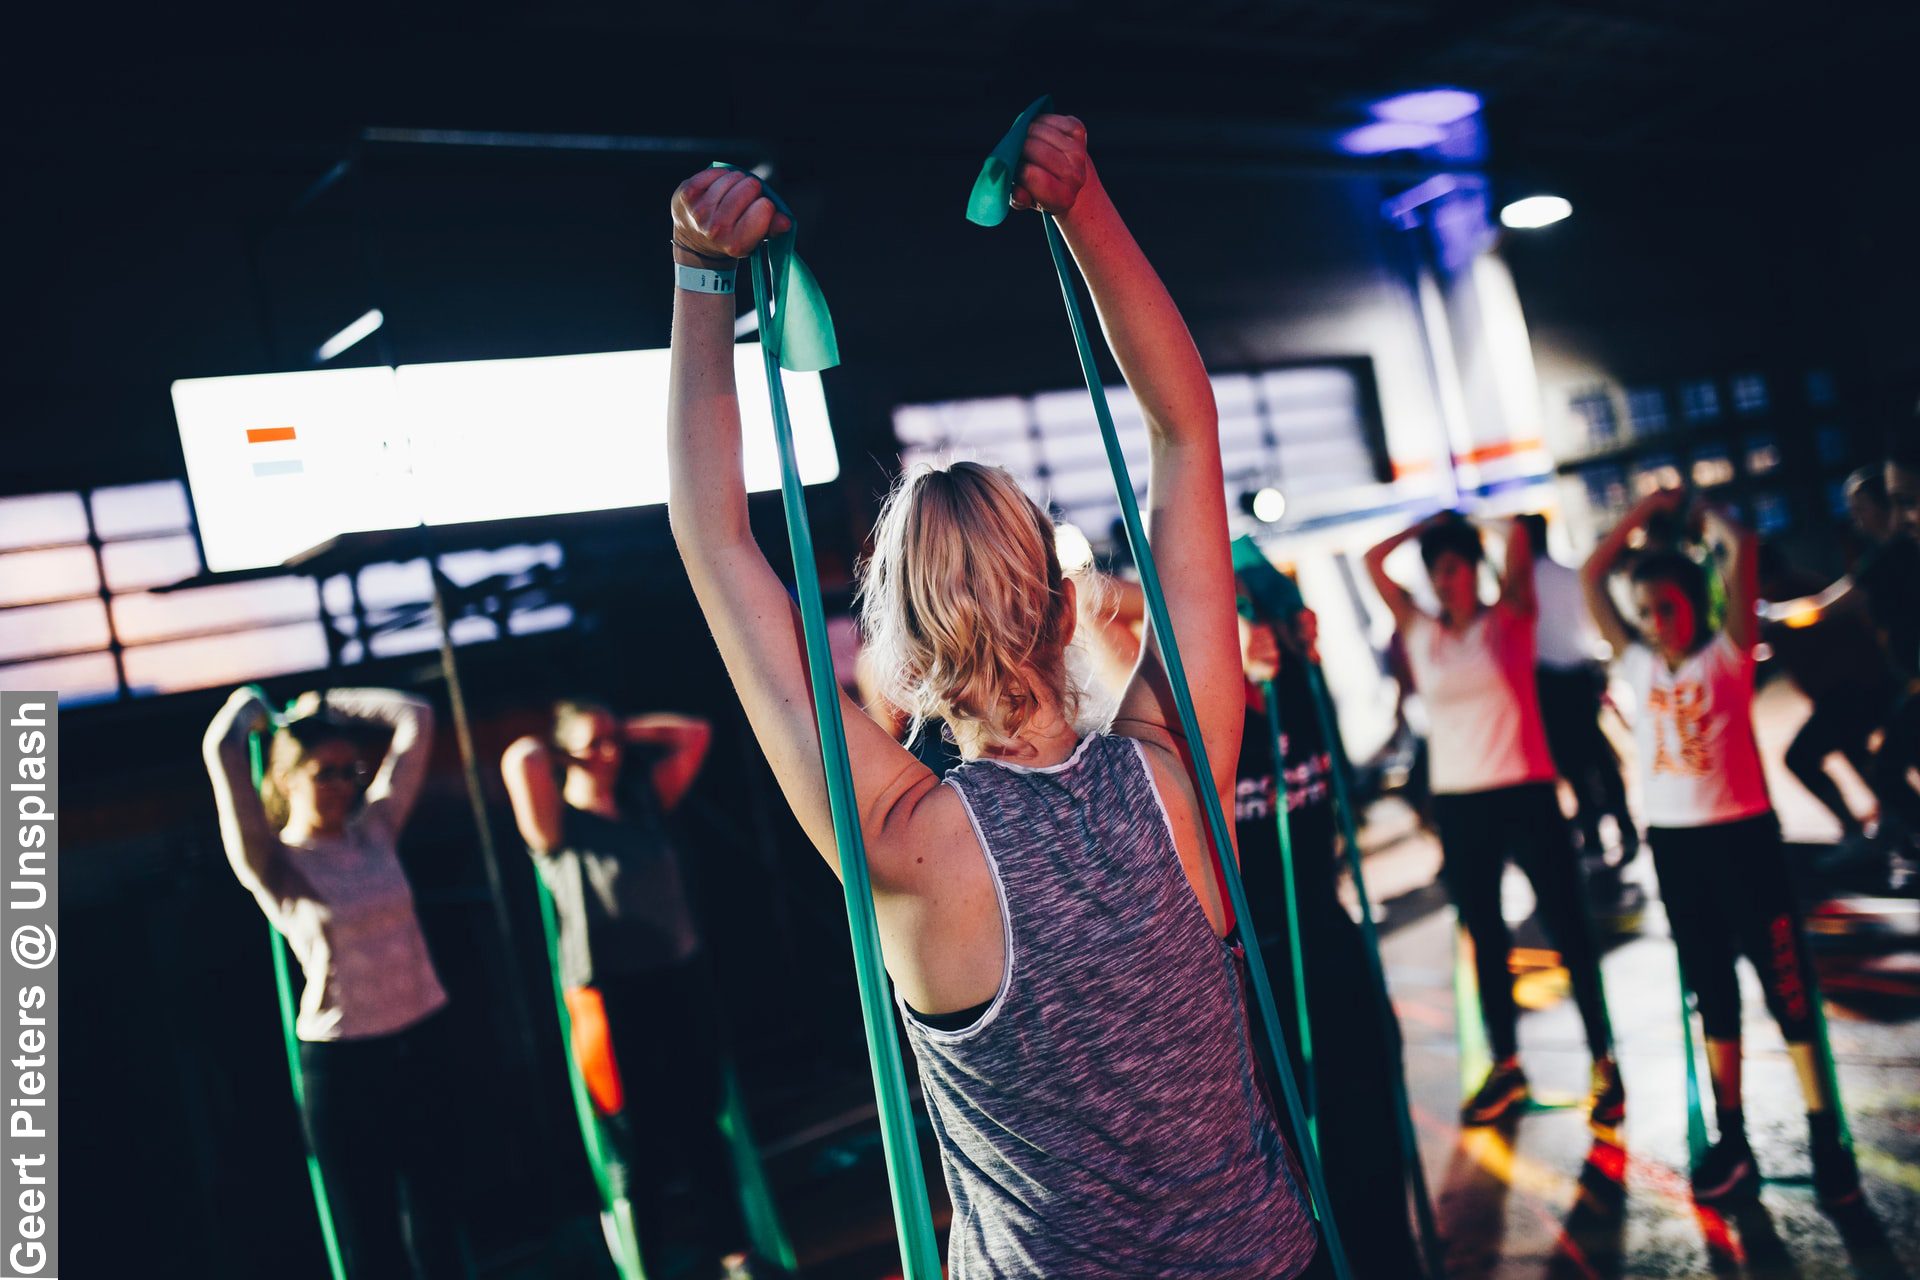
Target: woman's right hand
column 723, row 213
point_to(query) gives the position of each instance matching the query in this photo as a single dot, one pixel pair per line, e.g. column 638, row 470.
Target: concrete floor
column 1538, row 1198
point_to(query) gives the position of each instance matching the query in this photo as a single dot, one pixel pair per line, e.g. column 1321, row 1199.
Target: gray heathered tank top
column 1102, row 1118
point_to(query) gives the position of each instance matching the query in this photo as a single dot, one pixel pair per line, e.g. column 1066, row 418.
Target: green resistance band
column 796, row 332
column 283, row 983
column 1284, row 828
column 987, row 205
column 1431, row 1247
column 1275, row 595
column 765, row 1229
column 610, row 1177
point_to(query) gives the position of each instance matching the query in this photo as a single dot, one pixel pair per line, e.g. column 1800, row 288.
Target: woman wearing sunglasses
column 316, row 846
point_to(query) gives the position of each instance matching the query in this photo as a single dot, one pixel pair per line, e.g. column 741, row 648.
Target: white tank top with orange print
column 1693, row 733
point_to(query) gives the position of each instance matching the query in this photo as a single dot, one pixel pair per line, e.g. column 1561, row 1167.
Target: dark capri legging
column 1479, row 832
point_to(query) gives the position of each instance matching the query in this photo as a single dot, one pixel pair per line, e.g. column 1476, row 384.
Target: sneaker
column 1727, row 1172
column 1607, row 1103
column 1836, row 1178
column 1505, row 1089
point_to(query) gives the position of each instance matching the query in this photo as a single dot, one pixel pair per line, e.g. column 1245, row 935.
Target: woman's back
column 1102, row 1117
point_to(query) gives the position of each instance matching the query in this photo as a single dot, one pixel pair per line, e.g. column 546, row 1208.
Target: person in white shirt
column 1716, row 843
column 1572, row 683
column 316, row 847
column 1493, row 790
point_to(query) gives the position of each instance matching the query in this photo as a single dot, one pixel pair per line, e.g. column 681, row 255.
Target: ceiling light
column 353, row 333
column 1535, row 211
column 1428, row 106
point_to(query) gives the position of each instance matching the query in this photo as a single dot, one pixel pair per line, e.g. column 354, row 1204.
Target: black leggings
column 666, row 1041
column 1478, row 833
column 378, row 1119
column 1728, row 893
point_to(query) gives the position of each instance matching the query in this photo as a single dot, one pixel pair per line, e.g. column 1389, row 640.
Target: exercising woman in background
column 315, row 845
column 1493, row 790
column 1049, row 916
column 1716, row 843
column 638, row 990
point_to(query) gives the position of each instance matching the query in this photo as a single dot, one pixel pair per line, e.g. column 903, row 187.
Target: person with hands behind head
column 1049, row 915
column 1494, row 796
column 1716, row 843
column 638, row 989
column 316, row 846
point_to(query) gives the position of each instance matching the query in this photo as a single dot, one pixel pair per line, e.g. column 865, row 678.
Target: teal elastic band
column 797, row 333
column 795, row 324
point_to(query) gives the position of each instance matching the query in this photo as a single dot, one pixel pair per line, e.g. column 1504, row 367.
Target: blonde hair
column 964, row 606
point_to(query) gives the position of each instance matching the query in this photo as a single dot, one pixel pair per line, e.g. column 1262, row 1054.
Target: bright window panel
column 86, row 677
column 426, row 637
column 552, row 617
column 53, row 628
column 231, row 659
column 59, row 573
column 382, row 586
column 465, row 568
column 42, row 520
column 132, row 509
column 147, row 616
column 149, row 562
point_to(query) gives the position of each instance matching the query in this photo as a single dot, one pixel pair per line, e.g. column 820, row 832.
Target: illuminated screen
column 279, row 462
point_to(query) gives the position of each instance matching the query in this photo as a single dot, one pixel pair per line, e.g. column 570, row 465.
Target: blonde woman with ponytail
column 1049, row 914
column 316, row 847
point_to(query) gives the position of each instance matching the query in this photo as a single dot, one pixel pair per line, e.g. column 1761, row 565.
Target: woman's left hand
column 1054, row 166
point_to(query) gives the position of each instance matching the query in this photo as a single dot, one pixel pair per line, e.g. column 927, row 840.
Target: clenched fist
column 723, row 213
column 1053, row 165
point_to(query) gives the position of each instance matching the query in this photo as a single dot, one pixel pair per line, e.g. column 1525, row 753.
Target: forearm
column 404, row 713
column 1143, row 327
column 707, row 499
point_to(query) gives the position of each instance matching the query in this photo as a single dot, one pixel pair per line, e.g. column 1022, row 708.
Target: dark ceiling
column 147, row 153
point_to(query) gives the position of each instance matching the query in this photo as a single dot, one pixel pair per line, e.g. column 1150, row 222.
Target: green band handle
column 283, row 984
column 997, row 174
column 1431, row 1246
column 1284, row 827
column 780, row 295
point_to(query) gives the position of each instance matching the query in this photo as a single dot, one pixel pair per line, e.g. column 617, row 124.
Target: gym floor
column 1538, row 1197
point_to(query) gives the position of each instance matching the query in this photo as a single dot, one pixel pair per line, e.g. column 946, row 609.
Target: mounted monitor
column 279, row 462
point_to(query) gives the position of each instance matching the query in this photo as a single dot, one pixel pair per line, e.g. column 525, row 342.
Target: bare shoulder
column 926, row 843
column 1164, row 752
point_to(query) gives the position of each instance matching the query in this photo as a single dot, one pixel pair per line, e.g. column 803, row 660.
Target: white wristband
column 702, row 279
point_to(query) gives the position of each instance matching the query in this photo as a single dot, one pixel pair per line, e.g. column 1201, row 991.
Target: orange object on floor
column 593, row 1049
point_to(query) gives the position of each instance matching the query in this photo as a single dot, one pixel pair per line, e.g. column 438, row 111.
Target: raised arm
column 1399, row 600
column 252, row 845
column 1186, row 512
column 1594, row 574
column 527, row 767
column 684, row 739
column 1516, row 579
column 1740, row 569
column 720, row 215
column 397, row 782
